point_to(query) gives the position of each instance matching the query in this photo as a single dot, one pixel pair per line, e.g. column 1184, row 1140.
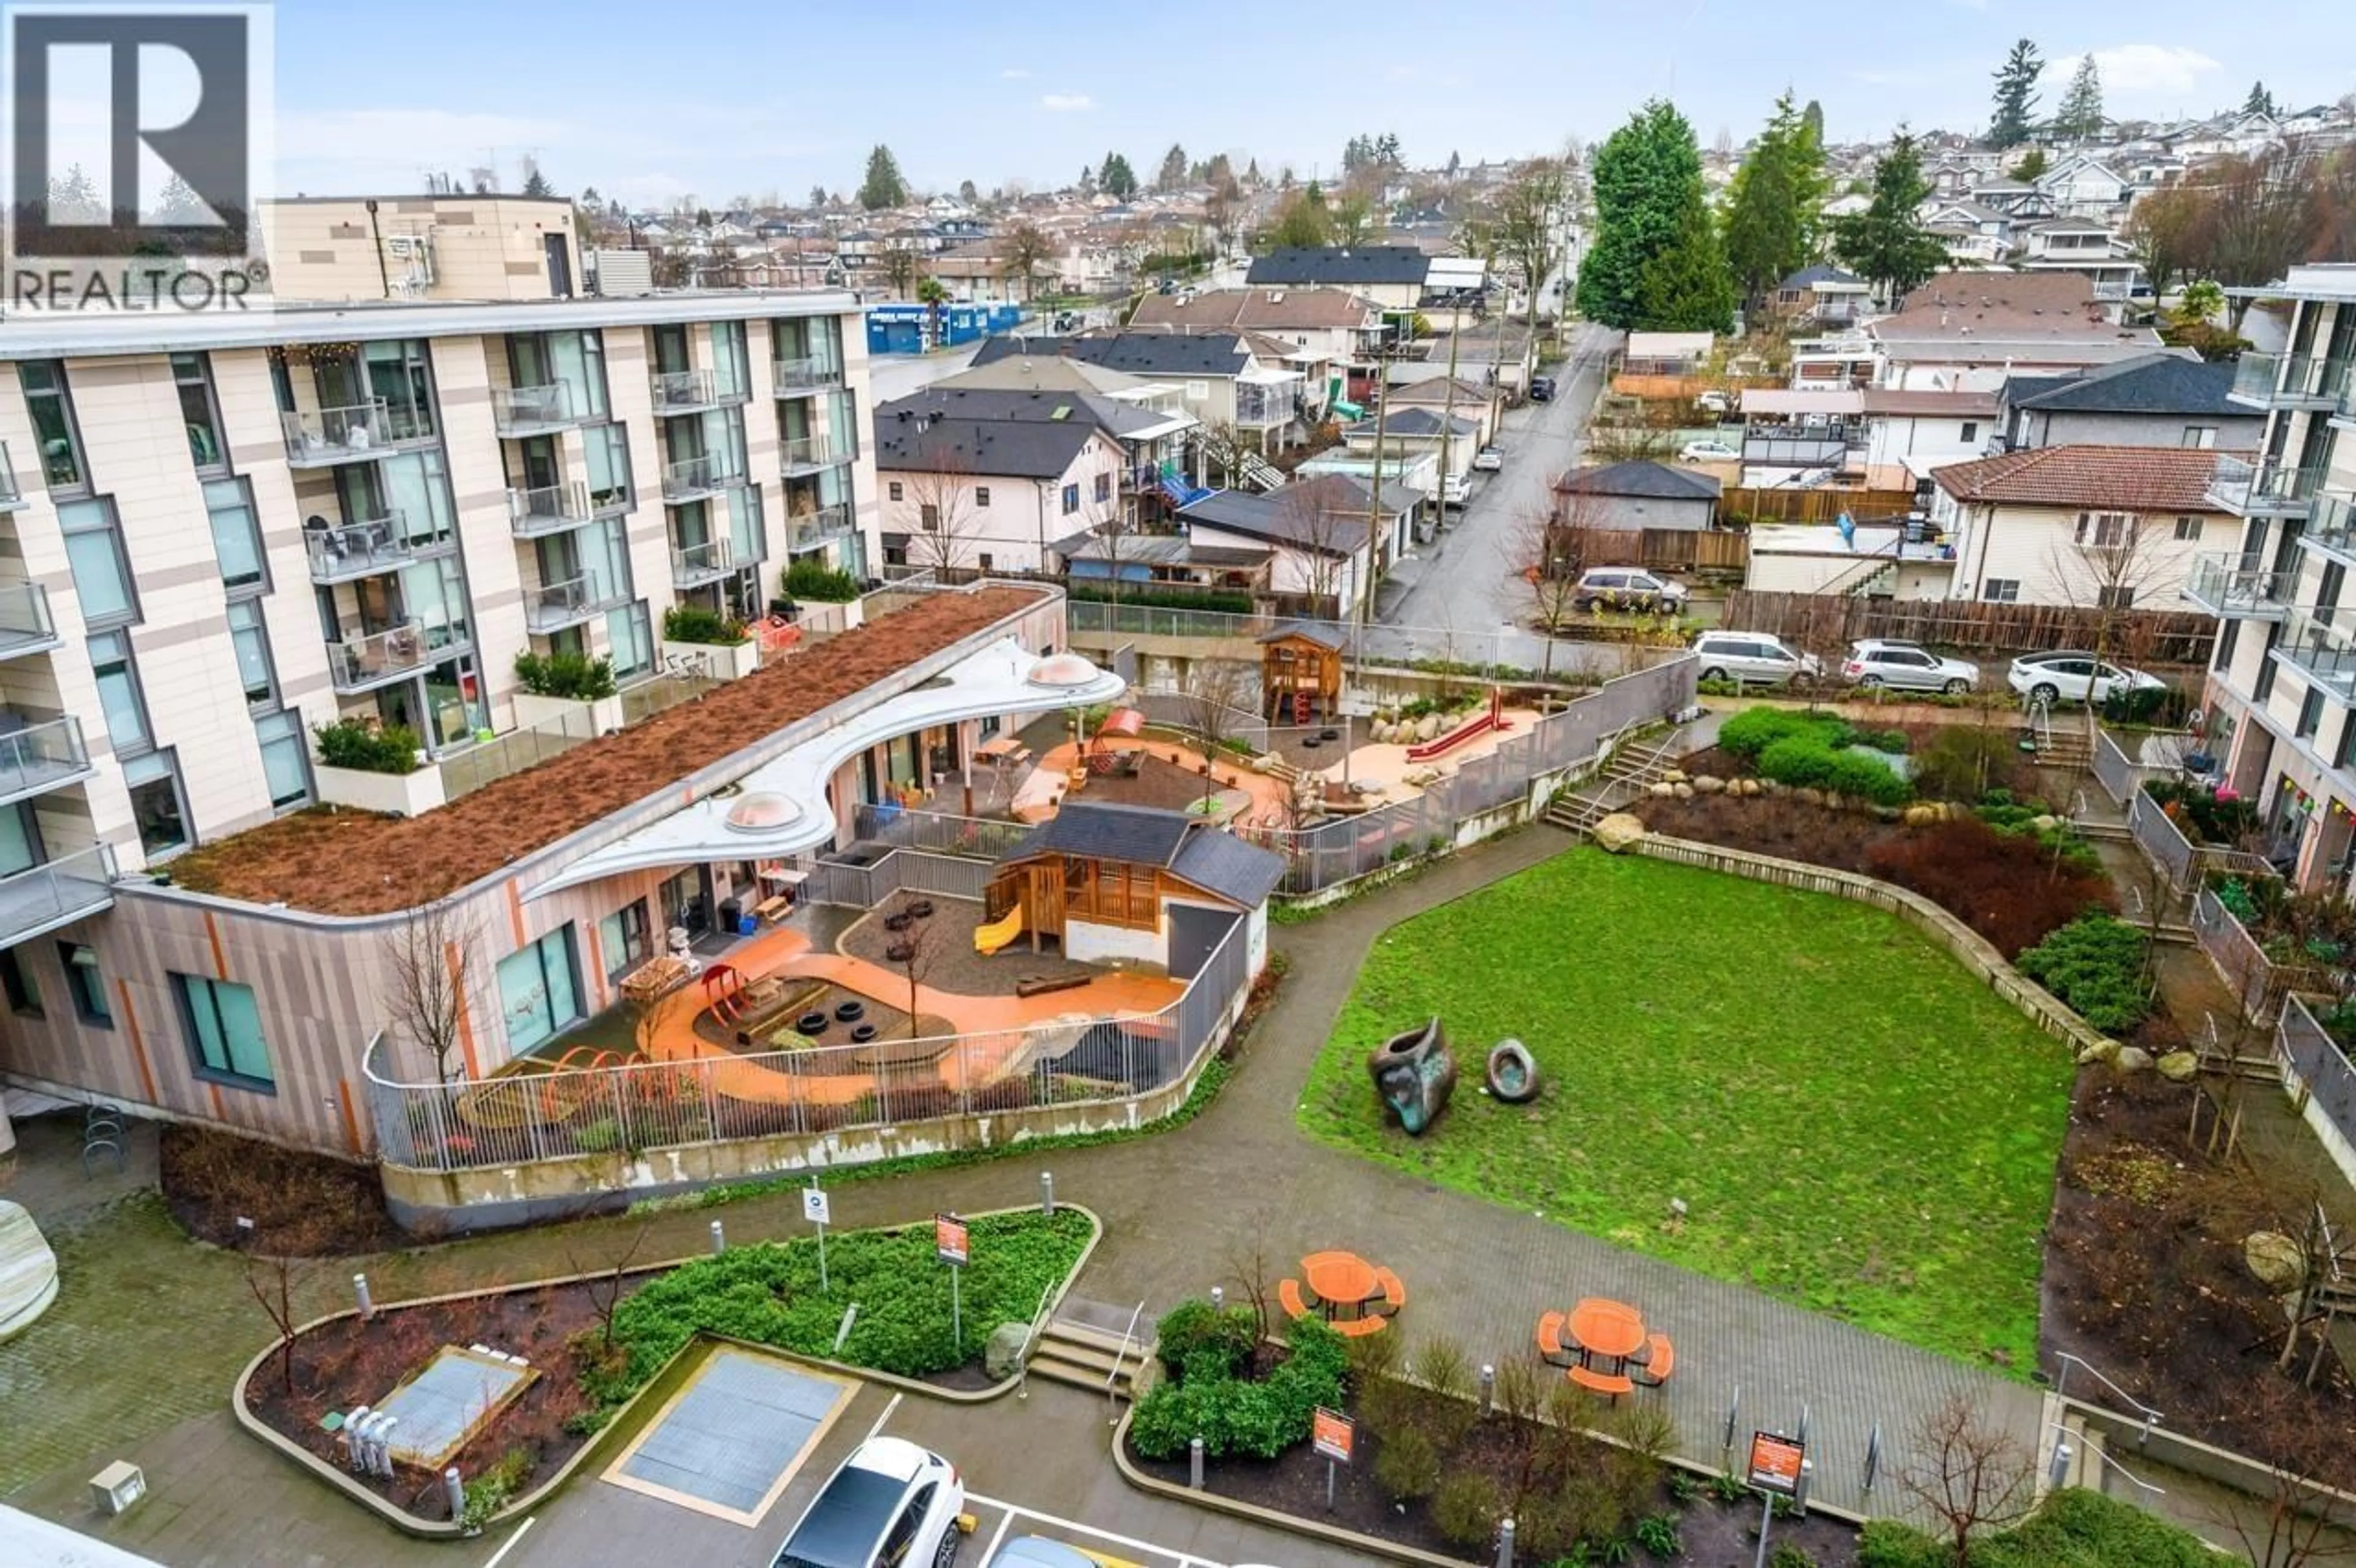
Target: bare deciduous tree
column 603, row 1274
column 276, row 1280
column 1970, row 1474
column 1330, row 538
column 426, row 959
column 1021, row 250
column 1217, row 693
column 1552, row 547
column 2293, row 1522
column 1530, row 224
column 2114, row 559
column 942, row 532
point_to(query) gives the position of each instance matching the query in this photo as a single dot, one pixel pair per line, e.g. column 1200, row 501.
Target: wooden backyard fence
column 1832, row 621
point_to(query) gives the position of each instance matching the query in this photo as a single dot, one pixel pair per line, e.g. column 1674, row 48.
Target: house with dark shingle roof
column 1637, row 495
column 991, row 494
column 1325, row 550
column 1135, row 884
column 1393, row 276
column 1270, row 392
column 2083, row 525
column 2157, row 399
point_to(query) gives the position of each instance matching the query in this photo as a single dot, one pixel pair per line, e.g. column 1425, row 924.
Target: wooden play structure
column 1125, row 881
column 993, row 934
column 1106, row 759
column 1490, row 721
column 1301, row 673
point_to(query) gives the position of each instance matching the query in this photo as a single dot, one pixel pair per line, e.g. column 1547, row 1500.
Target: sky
column 717, row 99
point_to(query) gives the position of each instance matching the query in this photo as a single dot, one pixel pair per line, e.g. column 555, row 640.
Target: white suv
column 1907, row 666
column 891, row 1505
column 1627, row 588
column 1751, row 658
column 2080, row 678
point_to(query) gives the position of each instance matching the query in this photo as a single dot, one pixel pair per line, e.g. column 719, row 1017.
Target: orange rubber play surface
column 993, row 1027
column 1040, row 794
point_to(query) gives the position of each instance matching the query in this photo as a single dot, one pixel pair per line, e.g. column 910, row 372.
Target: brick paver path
column 165, row 1319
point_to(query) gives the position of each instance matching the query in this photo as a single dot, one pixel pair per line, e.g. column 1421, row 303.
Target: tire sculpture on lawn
column 1513, row 1074
column 1414, row 1074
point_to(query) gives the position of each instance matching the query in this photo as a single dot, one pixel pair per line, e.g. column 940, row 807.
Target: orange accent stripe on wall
column 597, row 966
column 221, row 959
column 220, row 1111
column 351, row 1122
column 457, row 961
column 515, row 910
column 138, row 1039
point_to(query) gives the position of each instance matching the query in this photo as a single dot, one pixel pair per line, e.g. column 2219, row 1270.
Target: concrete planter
column 603, row 714
column 727, row 661
column 398, row 795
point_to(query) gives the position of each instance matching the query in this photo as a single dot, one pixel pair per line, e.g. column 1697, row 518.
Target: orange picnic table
column 1353, row 1295
column 1600, row 1340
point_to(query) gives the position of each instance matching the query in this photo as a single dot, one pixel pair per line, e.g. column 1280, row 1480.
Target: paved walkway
column 1182, row 1209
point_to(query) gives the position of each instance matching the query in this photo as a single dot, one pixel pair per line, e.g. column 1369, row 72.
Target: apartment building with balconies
column 2282, row 682
column 219, row 533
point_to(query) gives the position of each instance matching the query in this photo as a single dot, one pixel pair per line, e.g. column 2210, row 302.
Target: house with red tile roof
column 2084, row 526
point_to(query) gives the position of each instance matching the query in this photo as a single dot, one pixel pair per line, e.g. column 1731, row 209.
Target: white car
column 1626, row 588
column 1708, row 451
column 1455, row 490
column 1751, row 658
column 1714, row 402
column 1907, row 666
column 1488, row 460
column 891, row 1505
column 2075, row 676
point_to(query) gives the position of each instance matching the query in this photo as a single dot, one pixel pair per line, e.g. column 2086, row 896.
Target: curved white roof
column 999, row 679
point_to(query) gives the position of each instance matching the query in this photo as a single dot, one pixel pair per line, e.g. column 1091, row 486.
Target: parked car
column 1455, row 490
column 1488, row 460
column 1708, row 451
column 1714, row 402
column 1038, row 1552
column 1542, row 389
column 1752, row 658
column 891, row 1505
column 2070, row 676
column 1907, row 666
column 1627, row 588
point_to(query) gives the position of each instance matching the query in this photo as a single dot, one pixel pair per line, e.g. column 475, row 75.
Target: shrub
column 570, row 675
column 1233, row 1415
column 1657, row 1533
column 2072, row 1526
column 1805, row 761
column 2095, row 965
column 1407, row 1467
column 812, row 579
column 1159, row 597
column 1788, row 1555
column 495, row 1487
column 1221, row 1340
column 2205, row 818
column 2151, row 706
column 694, row 624
column 1467, row 1507
column 1894, row 741
column 2005, row 887
column 1963, row 762
column 1753, row 730
column 353, row 743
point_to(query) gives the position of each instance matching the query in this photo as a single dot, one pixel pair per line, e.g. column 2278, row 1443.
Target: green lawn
column 1855, row 1124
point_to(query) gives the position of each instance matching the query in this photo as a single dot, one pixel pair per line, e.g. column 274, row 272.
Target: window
column 85, row 983
column 1971, row 432
column 2201, row 437
column 2264, row 687
column 2227, row 635
column 156, row 804
column 16, row 982
column 2310, row 714
column 986, row 561
column 102, row 576
column 928, row 518
column 284, row 766
column 1104, row 488
column 252, row 642
column 118, row 693
column 1071, row 500
column 224, row 1031
column 1197, row 390
column 2106, row 530
column 2345, row 748
column 606, row 454
column 629, row 639
column 537, row 995
column 2001, row 590
column 893, row 490
column 191, row 374
column 2188, row 530
column 622, row 938
column 51, row 408
column 2116, row 597
column 237, row 535
column 981, row 496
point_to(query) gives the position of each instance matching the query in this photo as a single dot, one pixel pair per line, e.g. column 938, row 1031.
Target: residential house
column 2083, row 245
column 1452, row 439
column 1345, row 328
column 2167, row 399
column 1326, row 555
column 991, row 494
column 1393, row 276
column 2082, row 186
column 1801, row 438
column 1824, row 295
column 2114, row 526
column 1637, row 495
column 1151, row 441
column 1499, row 353
column 1259, row 387
column 1972, row 331
column 1458, row 397
column 1910, row 433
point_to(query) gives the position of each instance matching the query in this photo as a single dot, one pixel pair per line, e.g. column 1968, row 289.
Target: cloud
column 1066, row 102
column 2162, row 68
column 1014, row 73
column 1902, row 77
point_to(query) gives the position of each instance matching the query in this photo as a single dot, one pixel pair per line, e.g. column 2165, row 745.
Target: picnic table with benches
column 1354, row 1296
column 1604, row 1347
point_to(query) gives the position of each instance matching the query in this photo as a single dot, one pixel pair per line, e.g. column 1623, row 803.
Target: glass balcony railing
column 809, row 530
column 807, row 454
column 10, row 496
column 325, row 437
column 692, row 478
column 809, row 373
column 2270, row 487
column 553, row 607
column 683, row 391
column 25, row 624
column 380, row 658
column 58, row 891
column 2323, row 651
column 548, row 509
column 692, row 565
column 2287, row 380
column 359, row 550
column 2331, row 523
column 37, row 757
column 531, row 410
column 2240, row 586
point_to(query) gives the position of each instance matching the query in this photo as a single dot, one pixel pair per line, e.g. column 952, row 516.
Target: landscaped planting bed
column 1853, row 1122
column 300, row 1203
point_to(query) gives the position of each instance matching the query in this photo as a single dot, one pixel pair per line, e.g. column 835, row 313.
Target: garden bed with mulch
column 2145, row 1279
column 301, row 1204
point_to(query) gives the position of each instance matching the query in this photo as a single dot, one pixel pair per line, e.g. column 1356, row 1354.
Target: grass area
column 1855, row 1124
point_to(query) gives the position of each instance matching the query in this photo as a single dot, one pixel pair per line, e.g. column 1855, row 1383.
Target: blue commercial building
column 902, row 329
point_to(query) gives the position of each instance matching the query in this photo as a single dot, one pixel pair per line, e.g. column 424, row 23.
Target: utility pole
column 1448, row 407
column 1360, row 590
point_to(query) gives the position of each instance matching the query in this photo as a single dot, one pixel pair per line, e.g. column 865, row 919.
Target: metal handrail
column 1031, row 1342
column 1112, row 1378
column 2062, row 1440
column 2151, row 1417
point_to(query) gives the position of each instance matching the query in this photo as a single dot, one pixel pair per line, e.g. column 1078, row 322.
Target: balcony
column 35, row 758
column 363, row 664
column 535, row 411
column 697, row 478
column 687, row 392
column 2287, row 380
column 2238, row 587
column 2270, row 488
column 809, row 454
column 10, row 496
column 2322, row 652
column 812, row 530
column 553, row 607
column 810, row 373
column 2331, row 527
column 328, row 438
column 548, row 509
column 1266, row 405
column 25, row 624
column 692, row 566
column 359, row 550
column 56, row 892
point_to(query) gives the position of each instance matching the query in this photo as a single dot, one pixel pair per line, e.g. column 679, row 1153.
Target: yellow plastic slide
column 987, row 939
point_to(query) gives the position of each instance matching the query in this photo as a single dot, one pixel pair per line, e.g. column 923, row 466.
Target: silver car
column 1907, row 666
column 1751, row 658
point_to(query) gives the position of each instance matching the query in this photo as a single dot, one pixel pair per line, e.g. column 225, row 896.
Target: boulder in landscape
column 1705, row 784
column 2275, row 1259
column 1809, row 796
column 1675, row 775
column 1618, row 831
column 2045, row 824
column 1753, row 788
column 1661, row 791
column 1919, row 817
column 1769, row 786
column 2101, row 1050
column 2179, row 1067
column 1429, row 728
column 2131, row 1058
column 1002, row 1354
column 1683, row 791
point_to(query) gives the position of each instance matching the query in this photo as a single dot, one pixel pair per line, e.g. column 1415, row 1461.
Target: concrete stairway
column 1629, row 772
column 1087, row 1357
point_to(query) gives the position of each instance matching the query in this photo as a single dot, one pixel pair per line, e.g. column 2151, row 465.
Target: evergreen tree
column 2015, row 95
column 536, row 184
column 1304, row 223
column 1219, row 174
column 2081, row 114
column 1455, row 166
column 1686, row 286
column 1387, row 149
column 2031, row 167
column 1771, row 210
column 73, row 198
column 817, row 197
column 967, row 193
column 1356, row 153
column 1886, row 244
column 1088, row 184
column 1116, row 180
column 1646, row 178
column 1174, row 169
column 2259, row 101
column 1813, row 117
column 884, row 186
column 1251, row 174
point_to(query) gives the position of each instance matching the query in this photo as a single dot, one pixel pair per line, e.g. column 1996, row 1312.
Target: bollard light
column 1047, row 1193
column 719, row 1238
column 1506, row 1544
column 1194, row 1464
column 1488, row 1389
column 1218, row 1298
column 2061, row 1471
column 456, row 1490
column 1800, row 1497
column 360, row 1293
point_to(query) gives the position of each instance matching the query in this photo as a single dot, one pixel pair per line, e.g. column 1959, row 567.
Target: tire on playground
column 1513, row 1074
column 849, row 1012
column 810, row 1024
